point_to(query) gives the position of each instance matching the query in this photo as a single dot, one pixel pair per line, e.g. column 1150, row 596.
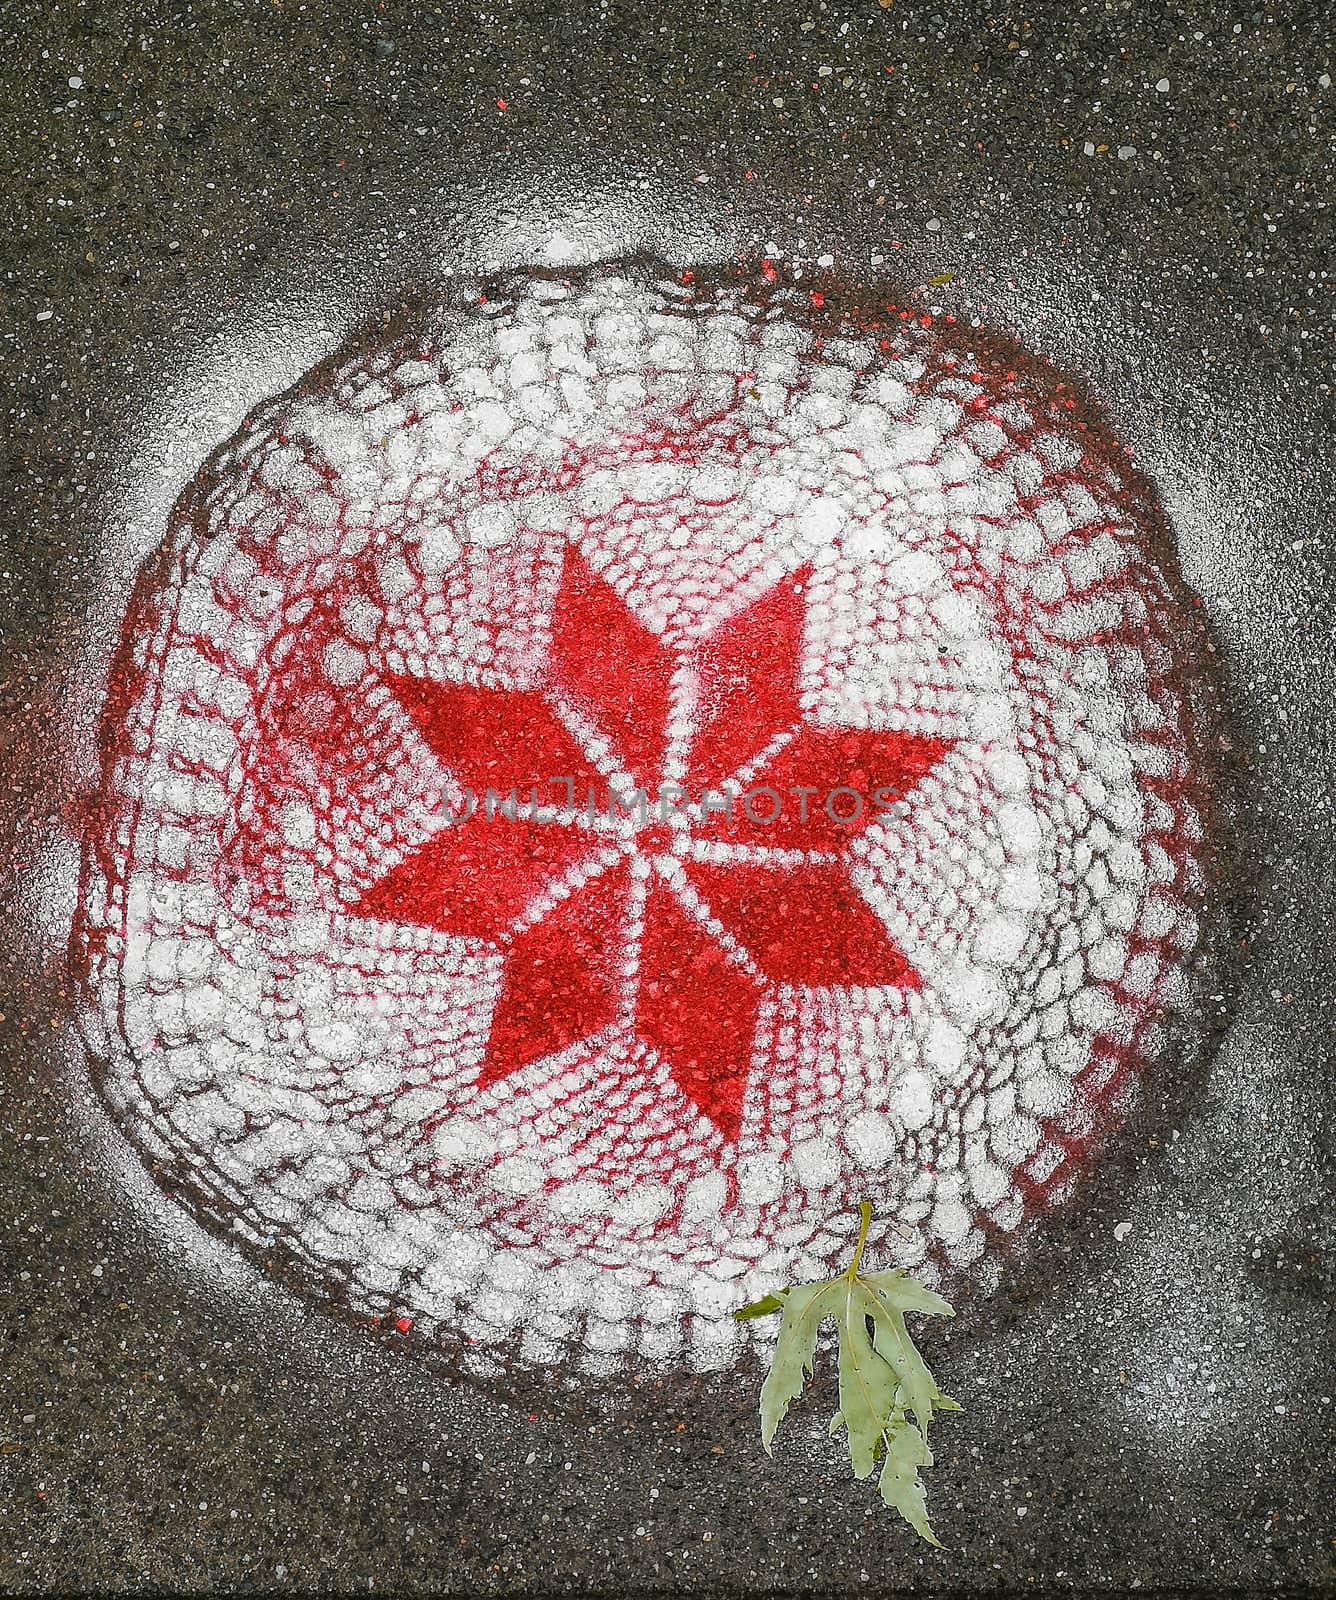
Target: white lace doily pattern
column 609, row 772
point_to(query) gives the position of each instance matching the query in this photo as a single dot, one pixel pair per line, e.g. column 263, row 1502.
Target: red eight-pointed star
column 721, row 906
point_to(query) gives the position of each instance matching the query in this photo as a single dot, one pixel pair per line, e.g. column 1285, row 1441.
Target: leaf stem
column 866, row 1209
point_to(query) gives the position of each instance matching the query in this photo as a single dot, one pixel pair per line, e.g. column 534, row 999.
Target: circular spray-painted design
column 608, row 772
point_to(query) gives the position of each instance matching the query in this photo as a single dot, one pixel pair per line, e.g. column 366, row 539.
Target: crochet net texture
column 570, row 1073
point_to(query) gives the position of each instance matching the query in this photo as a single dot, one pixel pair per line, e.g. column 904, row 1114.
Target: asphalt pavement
column 199, row 199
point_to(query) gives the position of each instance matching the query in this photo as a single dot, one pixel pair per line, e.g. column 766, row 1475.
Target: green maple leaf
column 887, row 1395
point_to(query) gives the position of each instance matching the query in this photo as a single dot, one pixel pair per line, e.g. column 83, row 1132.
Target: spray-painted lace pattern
column 601, row 777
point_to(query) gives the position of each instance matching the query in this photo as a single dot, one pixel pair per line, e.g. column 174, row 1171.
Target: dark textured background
column 1152, row 1412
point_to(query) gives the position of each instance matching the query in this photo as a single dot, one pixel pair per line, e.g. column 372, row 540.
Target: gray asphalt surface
column 1142, row 192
